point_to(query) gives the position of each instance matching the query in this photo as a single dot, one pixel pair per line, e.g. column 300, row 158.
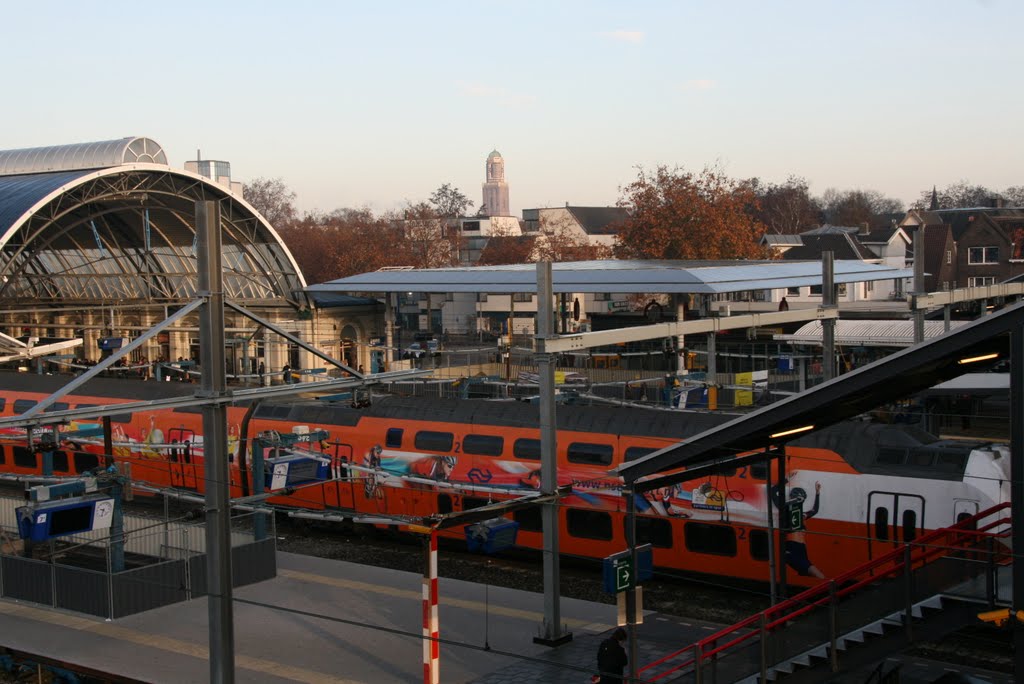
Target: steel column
column 828, row 325
column 215, row 441
column 1017, row 488
column 552, row 626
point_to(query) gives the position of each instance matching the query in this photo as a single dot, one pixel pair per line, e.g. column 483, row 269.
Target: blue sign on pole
column 618, row 567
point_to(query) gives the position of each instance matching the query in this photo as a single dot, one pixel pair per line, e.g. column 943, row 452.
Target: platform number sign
column 795, row 516
column 623, row 573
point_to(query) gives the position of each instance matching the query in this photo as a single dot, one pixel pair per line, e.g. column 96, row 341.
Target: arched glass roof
column 92, row 155
column 127, row 233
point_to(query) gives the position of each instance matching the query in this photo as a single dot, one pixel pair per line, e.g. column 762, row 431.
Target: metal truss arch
column 127, row 233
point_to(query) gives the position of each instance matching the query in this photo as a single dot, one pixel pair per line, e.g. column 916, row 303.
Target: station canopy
column 860, row 333
column 96, row 223
column 614, row 276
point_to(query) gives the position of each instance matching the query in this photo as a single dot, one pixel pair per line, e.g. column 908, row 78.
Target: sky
column 377, row 104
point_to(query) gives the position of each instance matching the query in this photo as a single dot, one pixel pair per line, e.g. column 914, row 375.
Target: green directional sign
column 623, row 573
column 796, row 516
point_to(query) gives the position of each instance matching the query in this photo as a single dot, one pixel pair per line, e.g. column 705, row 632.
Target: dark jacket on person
column 611, row 661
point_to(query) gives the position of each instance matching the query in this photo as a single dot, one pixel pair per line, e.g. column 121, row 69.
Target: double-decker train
column 863, row 486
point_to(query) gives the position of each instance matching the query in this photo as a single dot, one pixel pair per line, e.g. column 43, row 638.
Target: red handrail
column 802, row 603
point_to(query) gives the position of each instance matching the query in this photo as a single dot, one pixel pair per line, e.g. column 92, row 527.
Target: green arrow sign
column 623, row 573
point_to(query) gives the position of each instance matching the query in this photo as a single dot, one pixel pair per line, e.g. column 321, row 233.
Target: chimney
column 996, row 202
column 865, row 228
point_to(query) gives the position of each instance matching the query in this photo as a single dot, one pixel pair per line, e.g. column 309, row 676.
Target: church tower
column 495, row 189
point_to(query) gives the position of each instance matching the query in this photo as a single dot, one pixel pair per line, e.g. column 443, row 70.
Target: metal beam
column 112, row 359
column 566, row 343
column 966, row 294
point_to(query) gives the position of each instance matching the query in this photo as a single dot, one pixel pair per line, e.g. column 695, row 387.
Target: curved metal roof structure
column 697, row 277
column 94, row 155
column 87, row 224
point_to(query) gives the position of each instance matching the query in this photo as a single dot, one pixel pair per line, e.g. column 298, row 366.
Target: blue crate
column 491, row 536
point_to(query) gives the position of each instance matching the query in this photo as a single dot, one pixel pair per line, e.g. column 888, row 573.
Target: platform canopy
column 615, row 276
column 974, row 347
column 864, row 333
column 111, row 222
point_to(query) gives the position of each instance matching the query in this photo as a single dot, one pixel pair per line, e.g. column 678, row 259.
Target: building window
column 869, row 286
column 601, row 296
column 841, row 289
column 983, row 255
column 589, row 524
column 980, row 281
column 945, row 286
column 481, row 297
column 815, row 290
column 793, row 291
column 522, row 297
column 949, row 256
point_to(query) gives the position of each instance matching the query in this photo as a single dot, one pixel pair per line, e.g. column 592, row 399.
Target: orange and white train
column 865, row 486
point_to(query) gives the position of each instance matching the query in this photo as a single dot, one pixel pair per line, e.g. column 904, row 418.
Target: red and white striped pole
column 431, row 647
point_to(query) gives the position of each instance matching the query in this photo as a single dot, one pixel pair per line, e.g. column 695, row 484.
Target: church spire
column 935, row 200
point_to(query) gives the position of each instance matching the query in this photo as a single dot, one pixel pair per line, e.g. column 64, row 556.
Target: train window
column 951, row 461
column 471, row 502
column 759, row 471
column 653, row 531
column 589, row 524
column 393, row 438
column 3, row 455
column 633, row 453
column 881, row 523
column 592, row 454
column 921, row 457
column 483, row 445
column 56, row 406
column 528, row 449
column 444, row 503
column 3, row 404
column 264, row 411
column 890, row 456
column 22, row 405
column 758, row 544
column 715, row 539
column 24, row 458
column 528, row 519
column 428, row 440
column 121, row 418
column 909, row 525
column 60, row 461
column 85, row 461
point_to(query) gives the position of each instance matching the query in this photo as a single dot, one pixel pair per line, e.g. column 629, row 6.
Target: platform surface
column 331, row 621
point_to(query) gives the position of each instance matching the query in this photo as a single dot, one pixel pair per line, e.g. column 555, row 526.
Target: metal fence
column 164, row 563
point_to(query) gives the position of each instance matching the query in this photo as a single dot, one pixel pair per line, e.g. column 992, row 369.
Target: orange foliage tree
column 677, row 214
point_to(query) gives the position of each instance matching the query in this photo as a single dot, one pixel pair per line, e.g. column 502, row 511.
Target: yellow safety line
column 106, row 629
column 418, row 595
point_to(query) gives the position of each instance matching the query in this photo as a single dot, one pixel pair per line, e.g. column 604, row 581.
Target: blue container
column 491, row 536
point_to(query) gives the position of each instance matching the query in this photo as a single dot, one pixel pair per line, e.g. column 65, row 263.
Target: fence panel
column 81, row 590
column 149, row 587
column 26, row 579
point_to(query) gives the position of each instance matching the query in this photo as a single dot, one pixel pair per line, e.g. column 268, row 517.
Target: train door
column 344, row 495
column 893, row 518
column 182, row 459
column 964, row 508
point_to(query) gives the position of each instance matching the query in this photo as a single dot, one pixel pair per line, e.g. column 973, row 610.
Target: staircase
column 858, row 617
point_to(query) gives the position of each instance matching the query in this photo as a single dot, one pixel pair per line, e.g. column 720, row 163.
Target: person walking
column 611, row 658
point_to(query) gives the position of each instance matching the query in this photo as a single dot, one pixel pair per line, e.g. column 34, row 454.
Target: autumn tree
column 273, row 199
column 960, row 195
column 504, row 248
column 1014, row 196
column 561, row 240
column 449, row 202
column 678, row 214
column 855, row 207
column 784, row 208
column 427, row 239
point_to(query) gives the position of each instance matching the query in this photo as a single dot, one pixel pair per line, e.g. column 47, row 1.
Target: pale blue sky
column 371, row 104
